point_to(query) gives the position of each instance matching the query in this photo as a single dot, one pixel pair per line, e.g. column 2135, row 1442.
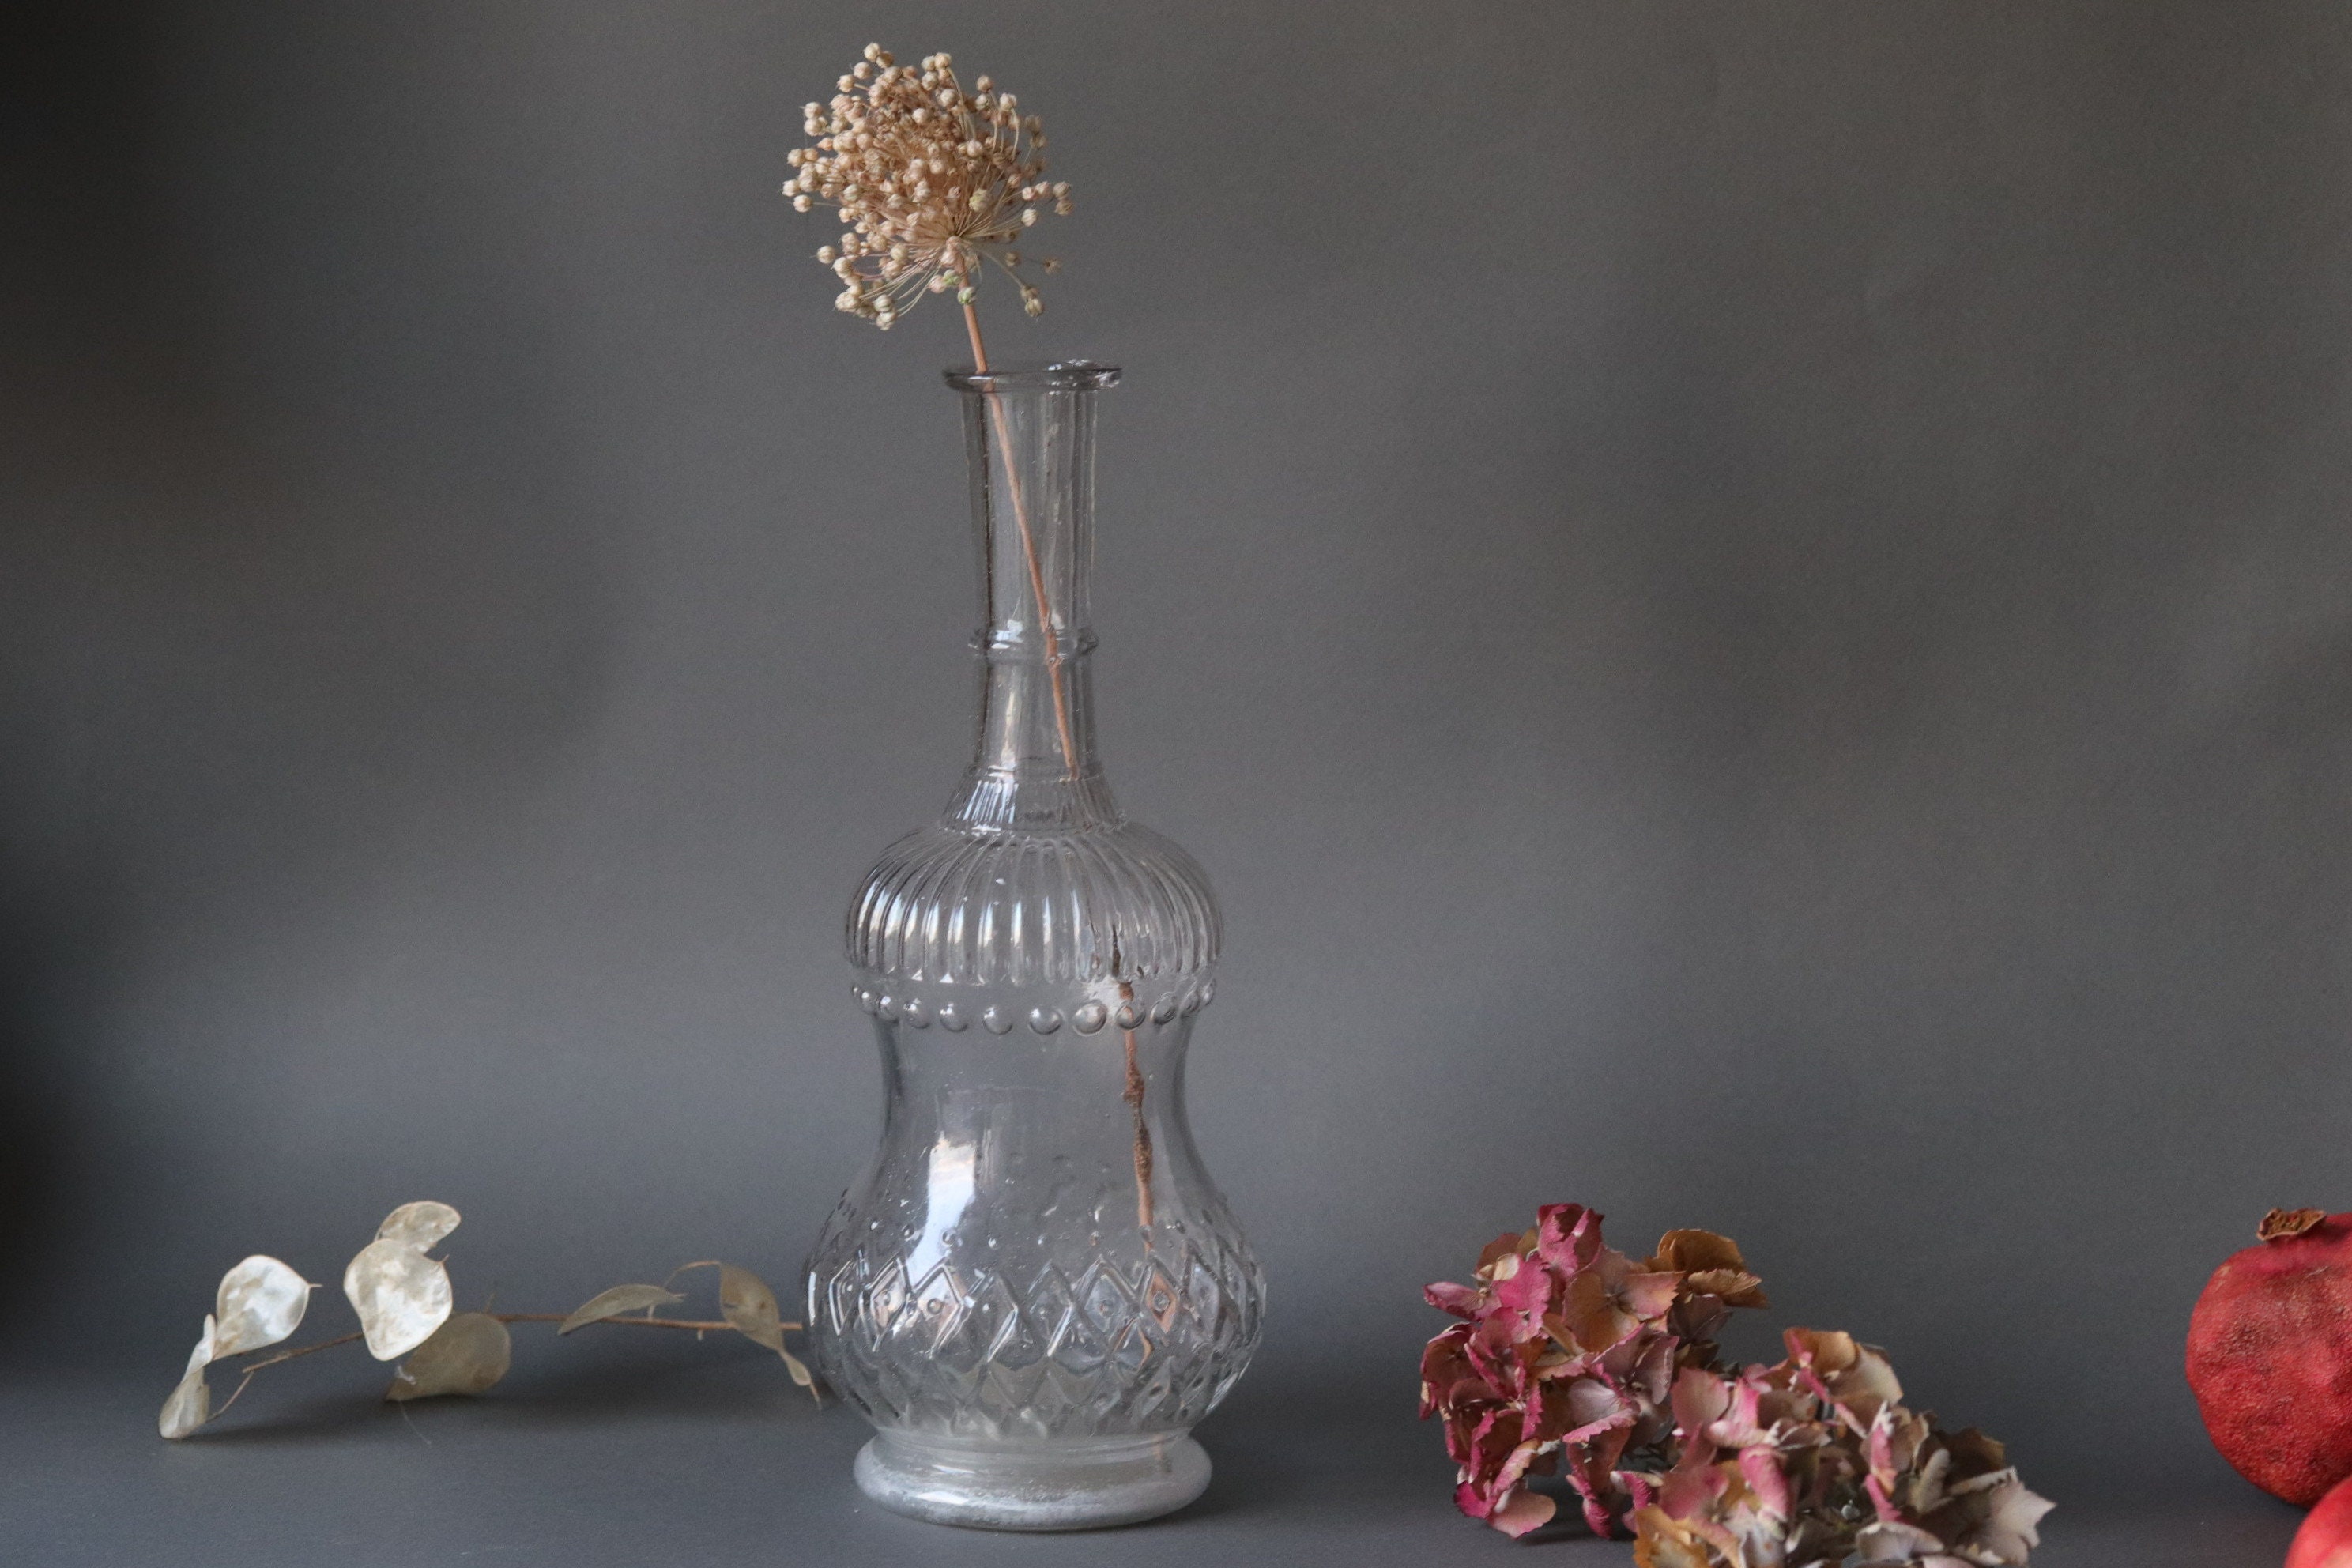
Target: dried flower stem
column 403, row 1297
column 1028, row 551
column 931, row 181
column 697, row 1325
column 283, row 1356
column 1133, row 1096
column 302, row 1350
column 1134, row 1099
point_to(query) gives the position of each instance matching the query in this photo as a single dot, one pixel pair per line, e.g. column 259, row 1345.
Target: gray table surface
column 622, row 1459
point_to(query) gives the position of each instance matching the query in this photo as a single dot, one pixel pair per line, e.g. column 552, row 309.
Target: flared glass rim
column 1063, row 375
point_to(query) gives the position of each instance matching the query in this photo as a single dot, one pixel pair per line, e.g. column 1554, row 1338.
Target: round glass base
column 1065, row 1486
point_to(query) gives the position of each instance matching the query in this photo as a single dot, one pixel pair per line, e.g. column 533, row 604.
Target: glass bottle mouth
column 1065, row 375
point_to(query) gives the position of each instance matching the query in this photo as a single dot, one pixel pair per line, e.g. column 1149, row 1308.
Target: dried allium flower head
column 931, row 181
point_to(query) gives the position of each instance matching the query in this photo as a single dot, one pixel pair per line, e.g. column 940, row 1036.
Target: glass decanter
column 1034, row 1290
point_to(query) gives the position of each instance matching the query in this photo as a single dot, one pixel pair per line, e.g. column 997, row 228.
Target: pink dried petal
column 1882, row 1448
column 1524, row 1297
column 1857, row 1378
column 1529, row 1458
column 1461, row 1300
column 1568, row 1236
column 1442, row 1366
column 1593, row 1407
column 1522, row 1511
column 1700, row 1399
column 1741, row 1424
column 1486, row 1451
column 1974, row 1454
column 1699, row 1319
column 1490, row 1352
column 1642, row 1364
column 1647, row 1296
column 1761, row 1469
column 1692, row 1490
column 1865, row 1388
column 1463, row 1418
column 1593, row 1315
column 1510, row 1245
column 1486, row 1437
column 1610, row 1299
column 1599, row 1516
column 1661, row 1542
column 1592, row 1467
column 1514, row 1469
column 1733, row 1287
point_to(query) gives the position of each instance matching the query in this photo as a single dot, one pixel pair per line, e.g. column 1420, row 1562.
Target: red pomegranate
column 2270, row 1357
column 2326, row 1539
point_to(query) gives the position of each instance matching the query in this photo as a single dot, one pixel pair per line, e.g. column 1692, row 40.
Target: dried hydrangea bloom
column 1572, row 1357
column 1566, row 1357
column 1816, row 1460
column 930, row 180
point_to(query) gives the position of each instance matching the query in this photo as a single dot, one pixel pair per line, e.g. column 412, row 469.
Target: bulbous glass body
column 1035, row 1290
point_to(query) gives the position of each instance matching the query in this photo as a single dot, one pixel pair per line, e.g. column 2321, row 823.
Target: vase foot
column 1068, row 1486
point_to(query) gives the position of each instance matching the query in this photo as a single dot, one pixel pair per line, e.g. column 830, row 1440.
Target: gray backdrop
column 1748, row 605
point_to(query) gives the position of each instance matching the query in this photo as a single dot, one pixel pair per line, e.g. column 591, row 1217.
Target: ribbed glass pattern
column 947, row 906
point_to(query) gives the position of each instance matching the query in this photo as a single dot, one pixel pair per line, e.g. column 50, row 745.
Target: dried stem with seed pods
column 402, row 1299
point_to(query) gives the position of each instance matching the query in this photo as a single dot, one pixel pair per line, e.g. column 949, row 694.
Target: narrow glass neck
column 1029, row 453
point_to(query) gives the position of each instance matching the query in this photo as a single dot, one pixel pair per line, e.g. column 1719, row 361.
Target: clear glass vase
column 1034, row 1290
